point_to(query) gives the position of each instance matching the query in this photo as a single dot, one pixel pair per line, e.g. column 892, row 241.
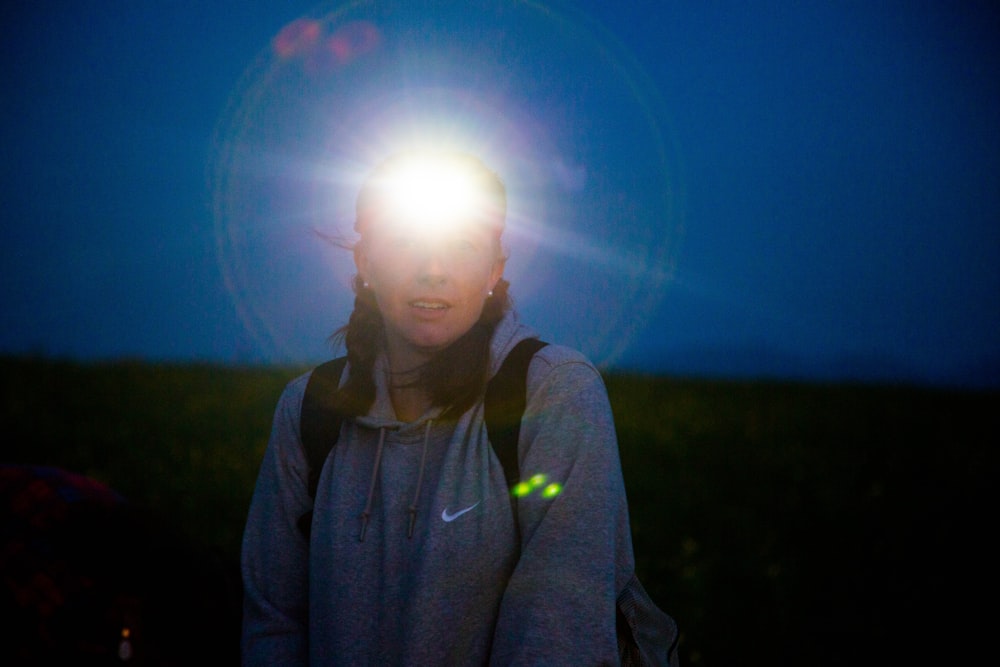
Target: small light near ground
column 125, row 646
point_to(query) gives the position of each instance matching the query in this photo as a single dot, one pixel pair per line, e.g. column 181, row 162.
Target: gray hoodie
column 461, row 590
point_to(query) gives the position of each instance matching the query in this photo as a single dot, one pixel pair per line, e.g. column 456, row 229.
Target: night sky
column 720, row 189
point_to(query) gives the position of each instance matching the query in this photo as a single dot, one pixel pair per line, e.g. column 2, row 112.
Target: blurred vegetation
column 779, row 523
column 183, row 441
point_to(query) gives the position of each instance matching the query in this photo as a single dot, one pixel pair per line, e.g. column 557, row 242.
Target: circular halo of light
column 594, row 211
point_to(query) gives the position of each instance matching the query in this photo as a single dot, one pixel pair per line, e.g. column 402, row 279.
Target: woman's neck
column 408, row 402
column 409, row 399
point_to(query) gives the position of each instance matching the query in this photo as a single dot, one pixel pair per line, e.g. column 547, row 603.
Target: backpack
column 646, row 635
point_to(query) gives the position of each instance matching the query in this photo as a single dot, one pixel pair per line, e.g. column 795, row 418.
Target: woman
column 415, row 555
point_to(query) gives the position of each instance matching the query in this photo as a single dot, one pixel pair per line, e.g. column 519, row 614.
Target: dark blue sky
column 708, row 188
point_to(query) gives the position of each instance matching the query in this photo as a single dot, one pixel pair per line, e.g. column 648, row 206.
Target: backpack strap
column 506, row 398
column 319, row 425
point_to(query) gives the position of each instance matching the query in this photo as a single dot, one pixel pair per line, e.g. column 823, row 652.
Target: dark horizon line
column 705, row 364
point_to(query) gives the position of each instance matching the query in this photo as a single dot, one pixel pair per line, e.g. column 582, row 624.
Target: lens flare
column 297, row 38
column 552, row 490
column 537, row 480
column 545, row 97
column 521, row 489
column 320, row 48
column 534, row 483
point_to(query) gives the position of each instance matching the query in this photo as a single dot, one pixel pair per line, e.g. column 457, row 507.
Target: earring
column 489, row 294
column 364, row 283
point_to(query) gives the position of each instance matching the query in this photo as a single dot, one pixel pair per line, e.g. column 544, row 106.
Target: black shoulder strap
column 319, row 424
column 506, row 398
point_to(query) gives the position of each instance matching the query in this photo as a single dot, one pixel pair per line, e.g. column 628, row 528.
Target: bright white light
column 431, row 191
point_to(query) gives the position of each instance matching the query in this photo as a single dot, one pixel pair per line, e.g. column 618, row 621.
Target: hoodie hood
column 509, row 332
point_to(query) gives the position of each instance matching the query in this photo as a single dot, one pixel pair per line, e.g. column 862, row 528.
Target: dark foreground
column 780, row 524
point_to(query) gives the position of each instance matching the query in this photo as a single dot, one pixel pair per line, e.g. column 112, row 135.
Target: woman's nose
column 433, row 268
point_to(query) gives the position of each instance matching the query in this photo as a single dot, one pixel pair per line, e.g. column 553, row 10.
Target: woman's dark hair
column 456, row 376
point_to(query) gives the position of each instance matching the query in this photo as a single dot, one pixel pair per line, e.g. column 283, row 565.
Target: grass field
column 779, row 523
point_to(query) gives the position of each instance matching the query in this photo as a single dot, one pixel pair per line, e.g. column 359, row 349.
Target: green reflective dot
column 552, row 490
column 522, row 489
column 537, row 480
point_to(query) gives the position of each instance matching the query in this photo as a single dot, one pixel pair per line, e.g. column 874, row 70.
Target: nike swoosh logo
column 448, row 518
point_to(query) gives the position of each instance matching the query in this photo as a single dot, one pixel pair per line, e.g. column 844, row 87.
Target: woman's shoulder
column 555, row 354
column 293, row 392
column 564, row 366
column 560, row 376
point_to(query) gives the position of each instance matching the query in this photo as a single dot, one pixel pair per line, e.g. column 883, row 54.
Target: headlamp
column 435, row 191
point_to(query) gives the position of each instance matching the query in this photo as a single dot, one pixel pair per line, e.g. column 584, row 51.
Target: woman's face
column 430, row 285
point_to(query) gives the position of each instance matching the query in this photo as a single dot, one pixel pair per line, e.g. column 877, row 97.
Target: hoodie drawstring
column 420, row 482
column 366, row 514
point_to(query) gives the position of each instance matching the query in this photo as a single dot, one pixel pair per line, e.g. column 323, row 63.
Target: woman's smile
column 430, row 304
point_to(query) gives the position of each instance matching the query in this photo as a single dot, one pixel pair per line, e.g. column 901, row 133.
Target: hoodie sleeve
column 275, row 555
column 576, row 549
